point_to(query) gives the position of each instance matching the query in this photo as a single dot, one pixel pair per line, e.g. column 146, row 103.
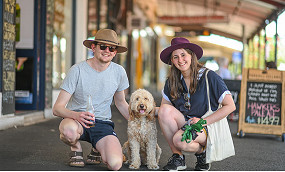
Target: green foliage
column 187, row 136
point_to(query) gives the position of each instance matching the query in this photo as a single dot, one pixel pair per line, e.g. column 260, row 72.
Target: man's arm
column 121, row 104
column 59, row 109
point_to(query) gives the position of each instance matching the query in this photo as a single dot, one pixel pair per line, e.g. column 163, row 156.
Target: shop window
column 24, row 80
column 255, row 53
column 281, row 42
column 250, row 54
column 61, row 41
column 96, row 7
column 270, row 30
column 262, row 48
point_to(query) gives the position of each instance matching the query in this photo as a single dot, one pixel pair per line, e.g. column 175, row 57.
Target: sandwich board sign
column 262, row 106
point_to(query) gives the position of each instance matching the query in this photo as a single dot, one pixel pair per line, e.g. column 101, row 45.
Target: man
column 223, row 68
column 103, row 80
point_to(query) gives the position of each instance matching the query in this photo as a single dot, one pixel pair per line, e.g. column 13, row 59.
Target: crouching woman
column 193, row 92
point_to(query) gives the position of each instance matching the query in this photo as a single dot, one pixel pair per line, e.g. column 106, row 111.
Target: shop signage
column 9, row 55
column 186, row 20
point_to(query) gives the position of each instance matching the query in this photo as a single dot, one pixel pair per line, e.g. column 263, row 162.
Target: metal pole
column 98, row 14
column 276, row 39
column 259, row 50
column 73, row 32
column 265, row 47
column 129, row 7
column 243, row 43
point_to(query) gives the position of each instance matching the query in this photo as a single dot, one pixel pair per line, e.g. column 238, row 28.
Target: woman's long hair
column 174, row 77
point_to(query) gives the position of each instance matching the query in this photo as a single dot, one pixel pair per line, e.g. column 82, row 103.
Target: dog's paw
column 134, row 166
column 153, row 167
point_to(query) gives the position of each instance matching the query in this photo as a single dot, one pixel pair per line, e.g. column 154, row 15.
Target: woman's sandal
column 93, row 158
column 76, row 159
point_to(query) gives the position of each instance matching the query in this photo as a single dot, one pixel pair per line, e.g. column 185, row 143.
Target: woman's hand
column 193, row 120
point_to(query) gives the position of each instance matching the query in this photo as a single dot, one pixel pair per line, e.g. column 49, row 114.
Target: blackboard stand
column 262, row 106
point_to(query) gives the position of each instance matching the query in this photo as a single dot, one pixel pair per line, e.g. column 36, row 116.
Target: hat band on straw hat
column 106, row 36
column 97, row 40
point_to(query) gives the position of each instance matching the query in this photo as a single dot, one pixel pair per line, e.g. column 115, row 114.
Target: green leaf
column 187, row 136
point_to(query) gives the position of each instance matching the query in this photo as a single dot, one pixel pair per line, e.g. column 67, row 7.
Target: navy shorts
column 101, row 129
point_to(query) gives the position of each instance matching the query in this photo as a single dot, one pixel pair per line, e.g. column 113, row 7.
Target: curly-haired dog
column 142, row 146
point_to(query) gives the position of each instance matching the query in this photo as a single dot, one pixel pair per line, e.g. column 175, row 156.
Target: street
column 38, row 147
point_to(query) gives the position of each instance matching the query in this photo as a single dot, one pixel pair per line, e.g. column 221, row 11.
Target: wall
column 81, row 30
column 26, row 24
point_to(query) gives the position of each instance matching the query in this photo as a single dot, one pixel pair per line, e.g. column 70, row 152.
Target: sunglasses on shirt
column 103, row 47
column 187, row 104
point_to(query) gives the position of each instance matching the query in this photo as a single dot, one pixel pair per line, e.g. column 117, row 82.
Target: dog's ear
column 151, row 115
column 131, row 113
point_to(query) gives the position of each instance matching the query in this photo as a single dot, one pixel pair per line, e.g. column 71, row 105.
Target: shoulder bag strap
column 208, row 92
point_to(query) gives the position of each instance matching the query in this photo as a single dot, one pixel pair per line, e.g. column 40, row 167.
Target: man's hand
column 85, row 118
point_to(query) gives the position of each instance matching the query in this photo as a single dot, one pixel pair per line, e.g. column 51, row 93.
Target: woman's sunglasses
column 103, row 47
column 187, row 104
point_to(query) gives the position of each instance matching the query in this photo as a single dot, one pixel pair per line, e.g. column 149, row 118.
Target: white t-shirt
column 82, row 80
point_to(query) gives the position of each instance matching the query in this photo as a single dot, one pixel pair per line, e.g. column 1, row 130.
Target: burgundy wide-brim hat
column 106, row 36
column 177, row 43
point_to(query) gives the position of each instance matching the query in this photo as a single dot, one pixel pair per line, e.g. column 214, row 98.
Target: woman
column 185, row 101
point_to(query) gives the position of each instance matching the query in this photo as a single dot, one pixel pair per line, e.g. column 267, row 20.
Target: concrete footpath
column 38, row 147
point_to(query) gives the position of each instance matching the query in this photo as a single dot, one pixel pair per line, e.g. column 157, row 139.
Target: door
column 29, row 67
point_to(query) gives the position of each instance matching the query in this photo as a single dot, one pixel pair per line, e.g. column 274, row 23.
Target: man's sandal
column 76, row 159
column 93, row 158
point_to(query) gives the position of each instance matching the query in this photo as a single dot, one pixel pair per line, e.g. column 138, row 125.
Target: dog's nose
column 141, row 106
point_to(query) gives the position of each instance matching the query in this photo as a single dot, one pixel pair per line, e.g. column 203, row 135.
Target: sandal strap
column 93, row 153
column 76, row 159
column 73, row 159
column 94, row 156
column 74, row 154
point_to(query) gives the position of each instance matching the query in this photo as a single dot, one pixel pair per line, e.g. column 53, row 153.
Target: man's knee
column 111, row 152
column 68, row 131
column 68, row 137
column 115, row 163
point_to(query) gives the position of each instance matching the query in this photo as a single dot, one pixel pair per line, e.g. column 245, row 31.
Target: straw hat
column 177, row 43
column 106, row 36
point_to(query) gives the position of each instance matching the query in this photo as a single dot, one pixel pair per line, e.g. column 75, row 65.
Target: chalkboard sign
column 262, row 106
column 263, row 103
column 9, row 55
